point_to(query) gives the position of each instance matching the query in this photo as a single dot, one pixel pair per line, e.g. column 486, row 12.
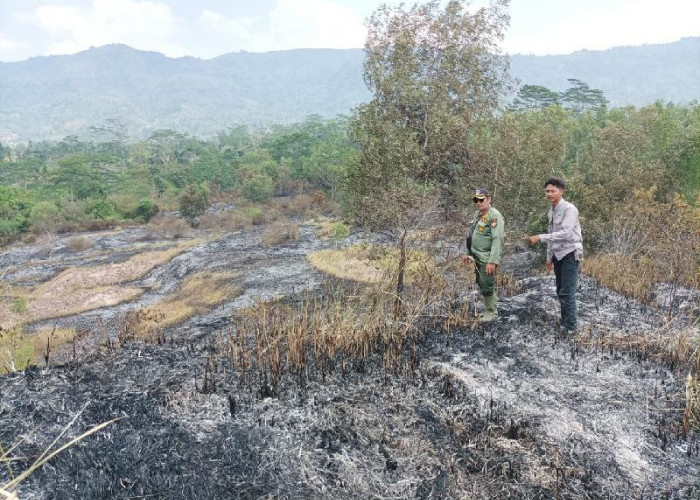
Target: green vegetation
column 74, row 184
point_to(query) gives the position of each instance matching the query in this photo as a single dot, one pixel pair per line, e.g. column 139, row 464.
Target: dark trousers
column 566, row 272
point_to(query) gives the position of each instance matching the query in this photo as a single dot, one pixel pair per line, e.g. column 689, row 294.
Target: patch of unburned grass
column 19, row 349
column 370, row 263
column 669, row 343
column 691, row 415
column 198, row 294
column 81, row 289
column 332, row 230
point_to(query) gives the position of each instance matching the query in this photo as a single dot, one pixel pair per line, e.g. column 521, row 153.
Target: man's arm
column 497, row 233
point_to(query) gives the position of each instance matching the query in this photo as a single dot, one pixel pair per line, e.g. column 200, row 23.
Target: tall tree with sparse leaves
column 434, row 73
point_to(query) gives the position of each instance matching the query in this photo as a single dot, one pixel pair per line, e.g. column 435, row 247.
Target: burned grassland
column 330, row 394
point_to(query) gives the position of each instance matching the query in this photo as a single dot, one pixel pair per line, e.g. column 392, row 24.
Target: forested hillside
column 52, row 97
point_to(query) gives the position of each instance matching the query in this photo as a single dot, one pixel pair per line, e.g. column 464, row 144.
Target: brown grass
column 306, row 205
column 81, row 289
column 671, row 344
column 198, row 293
column 169, row 226
column 242, row 218
column 326, row 332
column 652, row 242
column 79, row 243
column 279, row 232
column 371, row 263
column 618, row 272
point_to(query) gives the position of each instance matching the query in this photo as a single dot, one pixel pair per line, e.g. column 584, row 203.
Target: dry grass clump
column 230, row 220
column 198, row 293
column 691, row 416
column 239, row 219
column 670, row 343
column 615, row 272
column 169, row 226
column 307, row 205
column 254, row 214
column 329, row 331
column 279, row 232
column 79, row 243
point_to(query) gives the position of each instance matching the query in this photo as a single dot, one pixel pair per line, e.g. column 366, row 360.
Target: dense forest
column 626, row 166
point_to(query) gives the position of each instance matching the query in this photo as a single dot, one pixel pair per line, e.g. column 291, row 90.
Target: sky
column 208, row 28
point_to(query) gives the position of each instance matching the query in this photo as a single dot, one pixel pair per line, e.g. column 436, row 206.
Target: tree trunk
column 402, row 272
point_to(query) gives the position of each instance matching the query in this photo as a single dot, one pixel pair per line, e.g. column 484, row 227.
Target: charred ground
column 508, row 410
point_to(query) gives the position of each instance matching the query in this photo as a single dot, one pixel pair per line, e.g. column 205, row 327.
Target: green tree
column 45, row 216
column 535, row 97
column 433, row 74
column 193, row 201
column 580, row 97
column 258, row 188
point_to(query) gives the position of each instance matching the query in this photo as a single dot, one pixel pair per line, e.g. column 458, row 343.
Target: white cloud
column 14, row 48
column 627, row 23
column 291, row 24
column 141, row 24
column 316, row 23
column 221, row 24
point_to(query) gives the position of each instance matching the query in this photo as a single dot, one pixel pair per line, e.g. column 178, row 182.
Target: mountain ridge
column 50, row 97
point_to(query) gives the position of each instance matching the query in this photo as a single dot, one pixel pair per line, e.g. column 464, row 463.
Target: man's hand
column 490, row 268
column 549, row 265
column 532, row 239
column 467, row 259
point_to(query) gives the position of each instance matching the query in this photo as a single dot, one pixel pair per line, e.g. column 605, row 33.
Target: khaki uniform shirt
column 487, row 233
column 564, row 234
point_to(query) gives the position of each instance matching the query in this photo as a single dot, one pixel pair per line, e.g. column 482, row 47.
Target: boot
column 491, row 310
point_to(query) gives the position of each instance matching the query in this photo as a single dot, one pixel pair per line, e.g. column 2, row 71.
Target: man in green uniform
column 484, row 246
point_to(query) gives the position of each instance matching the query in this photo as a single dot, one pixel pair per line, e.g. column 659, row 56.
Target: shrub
column 258, row 188
column 231, row 220
column 169, row 227
column 98, row 224
column 144, row 211
column 102, row 209
column 45, row 217
column 78, row 243
column 279, row 232
column 255, row 214
column 301, row 205
column 339, row 231
column 333, row 230
column 8, row 230
column 193, row 201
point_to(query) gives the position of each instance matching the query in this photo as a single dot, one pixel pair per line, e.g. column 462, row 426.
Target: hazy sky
column 207, row 28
